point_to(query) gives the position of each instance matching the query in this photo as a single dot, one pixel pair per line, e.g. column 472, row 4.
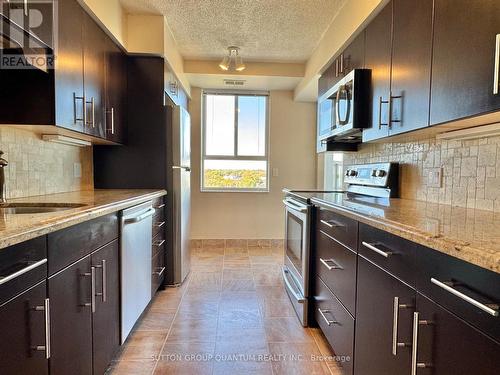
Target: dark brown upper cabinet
column 411, row 65
column 115, row 89
column 93, row 77
column 74, row 95
column 378, row 42
column 464, row 64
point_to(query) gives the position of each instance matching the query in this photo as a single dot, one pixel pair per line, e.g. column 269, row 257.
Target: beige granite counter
column 16, row 228
column 468, row 234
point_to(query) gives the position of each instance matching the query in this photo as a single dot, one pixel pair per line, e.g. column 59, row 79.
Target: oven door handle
column 292, row 288
column 294, row 206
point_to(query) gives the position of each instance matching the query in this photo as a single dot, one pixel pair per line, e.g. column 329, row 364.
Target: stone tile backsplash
column 37, row 167
column 470, row 169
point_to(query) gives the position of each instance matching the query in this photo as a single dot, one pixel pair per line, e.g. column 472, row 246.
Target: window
column 235, row 142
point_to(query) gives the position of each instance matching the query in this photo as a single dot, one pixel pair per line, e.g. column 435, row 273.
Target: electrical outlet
column 77, row 170
column 435, row 178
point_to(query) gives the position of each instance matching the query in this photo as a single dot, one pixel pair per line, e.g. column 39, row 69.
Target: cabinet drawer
column 462, row 288
column 394, row 254
column 336, row 323
column 22, row 266
column 158, row 272
column 158, row 244
column 336, row 266
column 68, row 245
column 343, row 229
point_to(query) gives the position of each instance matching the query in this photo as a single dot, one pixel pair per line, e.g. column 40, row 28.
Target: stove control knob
column 380, row 173
column 351, row 173
column 374, row 173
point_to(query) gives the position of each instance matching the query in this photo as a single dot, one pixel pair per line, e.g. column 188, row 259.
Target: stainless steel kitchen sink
column 36, row 208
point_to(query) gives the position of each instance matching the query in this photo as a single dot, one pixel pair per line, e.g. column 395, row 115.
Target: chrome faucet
column 3, row 189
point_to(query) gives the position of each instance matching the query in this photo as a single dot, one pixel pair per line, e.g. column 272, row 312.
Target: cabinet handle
column 341, row 63
column 491, row 309
column 160, row 206
column 5, row 279
column 92, row 288
column 159, row 224
column 159, row 273
column 329, row 322
column 332, row 224
column 385, row 254
column 158, row 243
column 104, row 286
column 26, row 8
column 380, row 102
column 414, row 350
column 112, row 112
column 395, row 325
column 75, row 118
column 46, row 309
column 497, row 63
column 336, row 67
column 92, row 111
column 335, row 266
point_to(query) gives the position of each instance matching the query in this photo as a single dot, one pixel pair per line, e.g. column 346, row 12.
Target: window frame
column 236, row 157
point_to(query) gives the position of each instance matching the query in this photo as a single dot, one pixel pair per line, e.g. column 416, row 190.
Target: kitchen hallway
column 232, row 316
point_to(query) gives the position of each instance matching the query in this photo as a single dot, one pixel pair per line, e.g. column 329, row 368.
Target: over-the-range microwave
column 344, row 110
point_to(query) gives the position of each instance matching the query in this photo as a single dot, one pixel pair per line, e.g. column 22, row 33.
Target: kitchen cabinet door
column 116, row 87
column 463, row 60
column 354, row 54
column 23, row 330
column 326, row 80
column 449, row 346
column 411, row 65
column 106, row 319
column 94, row 76
column 378, row 58
column 71, row 321
column 69, row 93
column 384, row 312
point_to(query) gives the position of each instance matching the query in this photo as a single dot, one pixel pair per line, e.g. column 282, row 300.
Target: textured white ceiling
column 266, row 30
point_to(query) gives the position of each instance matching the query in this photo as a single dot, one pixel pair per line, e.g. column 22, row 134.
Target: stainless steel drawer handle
column 160, row 206
column 5, row 279
column 385, row 254
column 158, row 243
column 328, row 321
column 104, row 287
column 332, row 224
column 334, row 266
column 159, row 273
column 414, row 349
column 492, row 309
column 159, row 224
column 395, row 325
column 140, row 217
column 46, row 309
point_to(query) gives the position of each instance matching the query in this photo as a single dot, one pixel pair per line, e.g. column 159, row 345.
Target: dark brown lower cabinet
column 384, row 315
column 71, row 319
column 105, row 319
column 447, row 345
column 23, row 332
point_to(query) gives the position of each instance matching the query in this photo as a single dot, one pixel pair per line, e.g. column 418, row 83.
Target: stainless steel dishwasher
column 136, row 237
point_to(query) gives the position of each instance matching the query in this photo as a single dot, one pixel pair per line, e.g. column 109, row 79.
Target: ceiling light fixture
column 232, row 60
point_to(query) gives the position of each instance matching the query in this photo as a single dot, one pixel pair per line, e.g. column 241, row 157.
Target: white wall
column 257, row 215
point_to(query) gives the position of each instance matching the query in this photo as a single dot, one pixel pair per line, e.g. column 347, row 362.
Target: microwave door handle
column 337, row 107
column 346, row 119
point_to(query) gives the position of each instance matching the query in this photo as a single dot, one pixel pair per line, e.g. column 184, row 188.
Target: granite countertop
column 468, row 234
column 16, row 228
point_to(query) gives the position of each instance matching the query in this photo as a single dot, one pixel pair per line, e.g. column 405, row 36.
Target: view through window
column 235, row 142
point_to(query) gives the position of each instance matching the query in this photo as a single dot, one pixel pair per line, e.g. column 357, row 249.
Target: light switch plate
column 435, row 178
column 276, row 172
column 77, row 170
